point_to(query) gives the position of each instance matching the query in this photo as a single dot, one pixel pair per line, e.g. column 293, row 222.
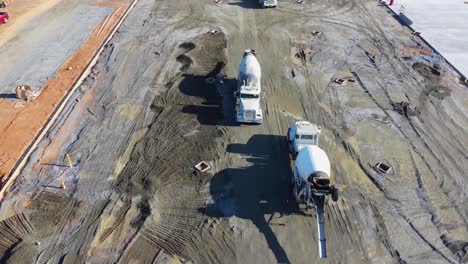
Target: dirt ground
column 149, row 115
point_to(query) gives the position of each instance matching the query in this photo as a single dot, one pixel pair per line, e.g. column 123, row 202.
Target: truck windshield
column 307, row 137
column 249, row 96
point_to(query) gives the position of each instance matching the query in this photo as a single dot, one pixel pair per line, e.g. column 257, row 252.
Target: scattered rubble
column 406, row 109
column 316, row 33
column 372, row 55
column 25, row 92
column 418, row 51
column 343, row 81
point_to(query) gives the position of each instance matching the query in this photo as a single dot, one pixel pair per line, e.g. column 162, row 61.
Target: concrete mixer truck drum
column 321, row 184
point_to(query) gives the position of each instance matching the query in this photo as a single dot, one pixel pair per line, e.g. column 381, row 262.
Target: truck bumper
column 258, row 119
column 240, row 119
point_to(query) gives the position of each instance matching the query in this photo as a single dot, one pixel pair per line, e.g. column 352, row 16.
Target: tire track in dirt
column 383, row 233
column 340, row 216
column 415, row 146
column 12, row 231
column 159, row 171
column 81, row 236
column 117, row 223
column 310, row 11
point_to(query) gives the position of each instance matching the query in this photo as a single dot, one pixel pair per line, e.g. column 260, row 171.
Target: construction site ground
column 54, row 62
column 135, row 128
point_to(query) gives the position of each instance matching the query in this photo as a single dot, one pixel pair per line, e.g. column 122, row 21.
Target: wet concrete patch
column 290, row 106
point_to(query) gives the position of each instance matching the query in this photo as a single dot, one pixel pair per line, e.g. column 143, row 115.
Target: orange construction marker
column 69, row 161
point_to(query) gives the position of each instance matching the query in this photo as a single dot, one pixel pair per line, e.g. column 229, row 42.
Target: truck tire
column 5, row 20
column 335, row 193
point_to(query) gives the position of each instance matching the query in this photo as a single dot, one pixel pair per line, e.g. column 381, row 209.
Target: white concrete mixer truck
column 311, row 182
column 311, row 176
column 248, row 92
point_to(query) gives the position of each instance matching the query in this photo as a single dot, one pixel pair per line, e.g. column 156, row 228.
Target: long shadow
column 252, row 4
column 403, row 19
column 8, row 95
column 262, row 188
column 54, row 164
column 218, row 106
column 51, row 186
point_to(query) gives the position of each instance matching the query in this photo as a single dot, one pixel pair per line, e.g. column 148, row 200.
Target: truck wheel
column 335, row 193
column 5, row 20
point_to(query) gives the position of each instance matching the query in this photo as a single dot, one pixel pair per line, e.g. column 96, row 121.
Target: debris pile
column 410, row 52
column 25, row 92
column 343, row 81
column 316, row 33
column 302, row 54
column 406, row 109
column 372, row 55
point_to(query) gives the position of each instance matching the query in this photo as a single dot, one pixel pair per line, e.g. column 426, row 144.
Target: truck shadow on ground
column 8, row 95
column 257, row 190
column 218, row 102
column 252, row 4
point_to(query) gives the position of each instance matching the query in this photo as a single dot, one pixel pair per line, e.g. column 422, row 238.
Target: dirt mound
column 185, row 60
column 426, row 71
column 187, row 46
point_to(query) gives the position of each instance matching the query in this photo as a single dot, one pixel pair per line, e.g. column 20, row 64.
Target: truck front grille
column 249, row 115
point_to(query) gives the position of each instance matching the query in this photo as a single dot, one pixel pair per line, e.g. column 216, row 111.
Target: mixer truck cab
column 268, row 3
column 248, row 94
column 301, row 134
